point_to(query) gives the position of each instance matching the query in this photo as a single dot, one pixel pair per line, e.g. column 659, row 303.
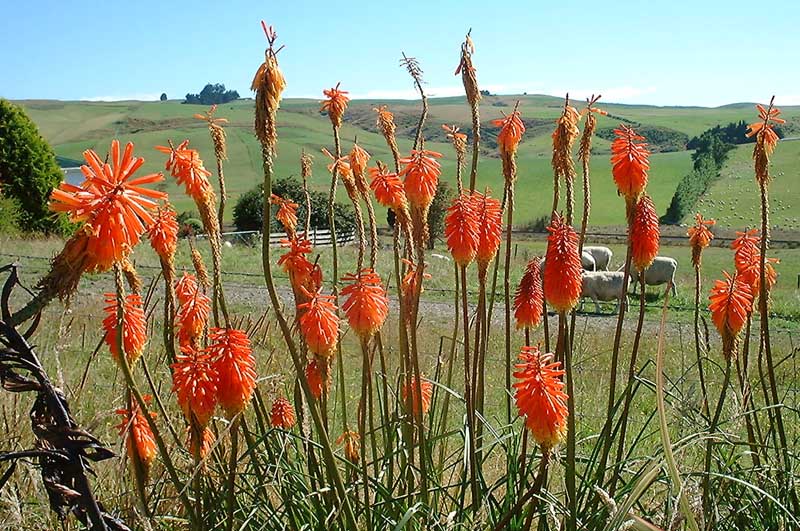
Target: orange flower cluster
column 489, row 214
column 235, row 366
column 113, row 204
column 366, row 306
column 766, row 139
column 304, row 276
column 163, row 234
column 352, row 445
column 287, row 213
column 193, row 311
column 268, row 83
column 644, row 233
column 630, row 162
column 511, row 131
column 202, row 443
column 562, row 276
column 186, row 166
column 540, row 397
column 410, row 282
column 185, row 287
column 564, row 136
column 335, row 105
column 319, row 323
column 196, row 383
column 134, row 327
column 461, row 229
column 700, row 237
column 420, row 396
column 421, row 171
column 747, row 259
column 317, row 382
column 529, row 298
column 457, row 138
column 358, row 164
column 282, row 414
column 139, row 440
column 731, row 300
column 389, row 190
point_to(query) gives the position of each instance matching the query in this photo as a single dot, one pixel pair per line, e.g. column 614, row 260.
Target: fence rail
column 318, row 237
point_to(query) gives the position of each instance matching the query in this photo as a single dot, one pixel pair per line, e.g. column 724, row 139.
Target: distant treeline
column 212, row 94
column 659, row 139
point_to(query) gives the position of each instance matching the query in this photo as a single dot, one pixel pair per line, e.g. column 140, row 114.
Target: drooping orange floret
column 163, row 233
column 319, row 323
column 747, row 248
column 135, row 430
column 751, row 272
column 195, row 382
column 187, row 167
column 489, row 213
column 731, row 299
column 645, row 233
column 388, row 189
column 352, row 445
column 562, row 276
column 511, row 131
column 457, row 138
column 420, row 397
column 201, row 444
column 235, row 366
column 540, row 395
column 340, row 165
column 302, row 273
column 115, row 206
column 185, row 287
column 134, row 327
column 700, row 237
column 630, row 163
column 317, row 382
column 421, row 171
column 461, row 230
column 358, row 160
column 411, row 279
column 192, row 316
column 282, row 414
column 766, row 138
column 529, row 299
column 335, row 105
column 366, row 305
column 287, row 213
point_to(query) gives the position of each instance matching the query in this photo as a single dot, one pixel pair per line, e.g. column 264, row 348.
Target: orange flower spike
column 134, row 327
column 645, row 233
column 319, row 323
column 731, row 300
column 192, row 317
column 287, row 213
column 163, row 233
column 409, row 283
column 700, row 237
column 630, row 162
column 388, row 189
column 768, row 118
column 195, row 382
column 358, row 159
column 236, row 367
column 139, row 440
column 490, row 228
column 205, row 443
column 366, row 306
column 461, row 230
column 187, row 167
column 112, row 202
column 335, row 105
column 185, row 287
column 420, row 397
column 352, row 445
column 282, row 414
column 511, row 131
column 529, row 299
column 316, row 380
column 747, row 249
column 562, row 276
column 421, row 171
column 540, row 396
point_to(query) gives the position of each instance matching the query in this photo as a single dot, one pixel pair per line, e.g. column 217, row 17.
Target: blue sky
column 677, row 53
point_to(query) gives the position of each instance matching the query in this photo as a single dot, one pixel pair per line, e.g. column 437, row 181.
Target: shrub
column 28, row 170
column 437, row 211
column 9, row 215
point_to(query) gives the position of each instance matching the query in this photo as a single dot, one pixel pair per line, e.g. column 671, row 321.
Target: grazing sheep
column 602, row 256
column 661, row 271
column 603, row 286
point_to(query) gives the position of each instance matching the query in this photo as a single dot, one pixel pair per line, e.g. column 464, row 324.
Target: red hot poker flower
column 352, row 445
column 187, row 167
column 388, row 189
column 195, row 382
column 461, row 230
column 319, row 323
column 645, row 233
column 192, row 317
column 630, row 163
column 540, row 397
column 235, row 366
column 511, row 131
column 730, row 300
column 421, row 171
column 420, row 397
column 163, row 234
column 282, row 414
column 287, row 213
column 700, row 237
column 490, row 227
column 335, row 104
column 114, row 205
column 366, row 306
column 562, row 276
column 766, row 139
column 185, row 287
column 358, row 164
column 139, row 440
column 529, row 299
column 134, row 327
column 316, row 380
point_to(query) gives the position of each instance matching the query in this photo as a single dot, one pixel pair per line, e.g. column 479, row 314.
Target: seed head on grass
column 540, row 397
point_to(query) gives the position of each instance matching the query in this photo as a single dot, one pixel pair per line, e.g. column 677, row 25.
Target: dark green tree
column 212, row 93
column 28, row 170
column 437, row 211
column 163, row 96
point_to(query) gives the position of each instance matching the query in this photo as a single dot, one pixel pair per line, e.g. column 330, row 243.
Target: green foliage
column 248, row 211
column 28, row 170
column 9, row 216
column 212, row 94
column 163, row 96
column 436, row 212
column 659, row 139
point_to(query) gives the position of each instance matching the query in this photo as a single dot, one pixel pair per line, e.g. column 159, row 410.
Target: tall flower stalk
column 470, row 81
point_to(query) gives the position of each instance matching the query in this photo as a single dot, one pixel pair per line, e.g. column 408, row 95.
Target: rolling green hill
column 72, row 127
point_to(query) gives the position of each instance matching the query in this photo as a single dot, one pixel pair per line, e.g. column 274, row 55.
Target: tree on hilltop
column 212, row 94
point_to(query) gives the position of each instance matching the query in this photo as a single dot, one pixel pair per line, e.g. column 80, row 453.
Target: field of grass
column 72, row 127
